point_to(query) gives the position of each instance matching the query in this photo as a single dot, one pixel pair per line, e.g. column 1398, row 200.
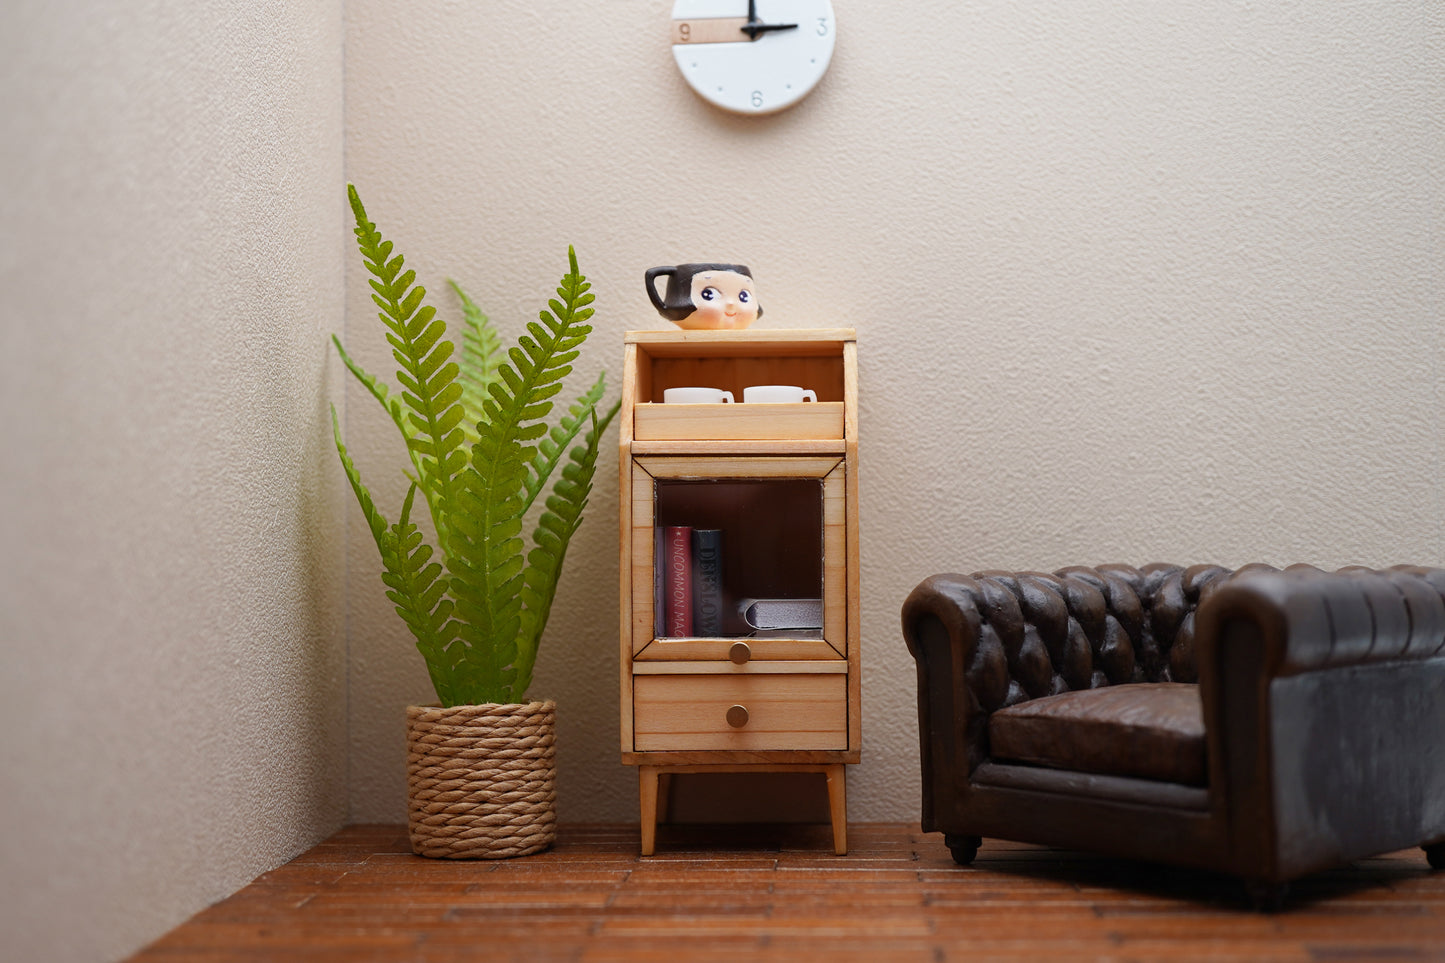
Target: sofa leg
column 963, row 848
column 1435, row 853
column 1266, row 897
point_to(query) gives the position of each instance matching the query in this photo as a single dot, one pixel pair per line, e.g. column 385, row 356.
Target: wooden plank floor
column 747, row 893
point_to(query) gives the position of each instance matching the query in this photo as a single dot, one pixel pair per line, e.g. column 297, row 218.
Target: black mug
column 675, row 304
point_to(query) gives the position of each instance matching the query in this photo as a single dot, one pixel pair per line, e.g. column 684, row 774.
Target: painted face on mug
column 723, row 299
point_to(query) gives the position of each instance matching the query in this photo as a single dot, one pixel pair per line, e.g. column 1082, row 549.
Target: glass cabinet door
column 747, row 548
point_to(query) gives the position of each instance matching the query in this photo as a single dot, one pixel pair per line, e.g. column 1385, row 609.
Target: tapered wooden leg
column 664, row 795
column 647, row 792
column 838, row 807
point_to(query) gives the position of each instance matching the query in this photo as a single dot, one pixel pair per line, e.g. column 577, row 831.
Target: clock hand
column 753, row 29
column 754, row 26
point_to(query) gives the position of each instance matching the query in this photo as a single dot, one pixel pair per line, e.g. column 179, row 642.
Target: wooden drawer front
column 680, row 712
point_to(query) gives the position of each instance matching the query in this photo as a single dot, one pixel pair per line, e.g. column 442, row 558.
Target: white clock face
column 752, row 56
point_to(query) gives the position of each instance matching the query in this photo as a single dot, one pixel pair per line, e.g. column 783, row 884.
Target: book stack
column 689, row 583
column 689, row 596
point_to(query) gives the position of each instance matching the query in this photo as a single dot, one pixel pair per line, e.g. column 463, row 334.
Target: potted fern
column 480, row 765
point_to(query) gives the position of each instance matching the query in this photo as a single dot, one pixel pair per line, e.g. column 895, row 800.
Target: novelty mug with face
column 705, row 295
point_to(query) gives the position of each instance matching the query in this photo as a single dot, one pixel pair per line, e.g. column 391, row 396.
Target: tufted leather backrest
column 1036, row 634
column 1078, row 628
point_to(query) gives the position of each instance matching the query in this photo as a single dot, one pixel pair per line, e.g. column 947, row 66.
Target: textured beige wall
column 172, row 697
column 1132, row 282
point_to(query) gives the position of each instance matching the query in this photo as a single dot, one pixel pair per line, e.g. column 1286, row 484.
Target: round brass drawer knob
column 740, row 653
column 738, row 716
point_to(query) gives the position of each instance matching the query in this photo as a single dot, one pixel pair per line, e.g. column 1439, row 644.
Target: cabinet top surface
column 747, row 336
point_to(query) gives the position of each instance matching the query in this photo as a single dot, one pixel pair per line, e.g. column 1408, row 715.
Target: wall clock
column 752, row 56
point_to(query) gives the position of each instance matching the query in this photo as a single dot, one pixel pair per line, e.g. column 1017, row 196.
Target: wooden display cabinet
column 779, row 482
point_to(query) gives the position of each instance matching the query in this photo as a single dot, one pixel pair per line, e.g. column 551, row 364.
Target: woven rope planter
column 481, row 780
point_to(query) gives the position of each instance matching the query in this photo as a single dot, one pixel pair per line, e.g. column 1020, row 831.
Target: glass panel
column 721, row 545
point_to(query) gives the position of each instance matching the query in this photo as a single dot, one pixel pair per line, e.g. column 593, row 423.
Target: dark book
column 677, row 581
column 707, row 613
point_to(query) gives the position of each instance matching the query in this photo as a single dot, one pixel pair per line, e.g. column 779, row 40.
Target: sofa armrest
column 1324, row 724
column 1308, row 619
column 996, row 639
column 942, row 627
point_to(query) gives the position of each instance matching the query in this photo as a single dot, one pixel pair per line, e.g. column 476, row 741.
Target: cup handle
column 652, row 275
column 809, row 394
column 727, row 397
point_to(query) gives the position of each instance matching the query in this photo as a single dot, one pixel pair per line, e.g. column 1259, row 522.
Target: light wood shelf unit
column 776, row 479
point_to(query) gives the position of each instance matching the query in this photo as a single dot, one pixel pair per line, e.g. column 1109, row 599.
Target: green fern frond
column 482, row 454
column 486, row 561
column 415, row 589
column 481, row 346
column 427, row 377
column 551, row 447
column 374, row 519
column 382, row 394
column 419, row 595
column 555, row 528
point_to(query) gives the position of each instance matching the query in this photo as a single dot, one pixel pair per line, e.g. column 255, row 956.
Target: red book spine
column 677, row 557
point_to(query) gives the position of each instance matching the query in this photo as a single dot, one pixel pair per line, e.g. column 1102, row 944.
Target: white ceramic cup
column 777, row 394
column 696, row 396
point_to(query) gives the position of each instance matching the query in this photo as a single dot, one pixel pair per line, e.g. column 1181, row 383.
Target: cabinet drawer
column 782, row 711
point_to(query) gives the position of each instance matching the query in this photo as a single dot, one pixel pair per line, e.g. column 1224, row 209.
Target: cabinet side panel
column 855, row 592
column 640, row 607
column 835, row 562
column 625, row 580
column 850, row 392
column 855, row 595
column 626, row 427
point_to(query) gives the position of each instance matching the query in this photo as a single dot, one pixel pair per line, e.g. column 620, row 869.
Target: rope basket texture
column 481, row 779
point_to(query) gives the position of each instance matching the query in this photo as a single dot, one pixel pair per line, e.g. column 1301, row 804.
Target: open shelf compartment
column 821, row 360
column 778, row 526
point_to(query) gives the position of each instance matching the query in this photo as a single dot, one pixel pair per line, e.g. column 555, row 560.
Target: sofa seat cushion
column 1152, row 730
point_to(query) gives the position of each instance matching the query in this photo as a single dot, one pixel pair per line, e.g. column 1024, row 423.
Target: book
column 707, row 596
column 677, row 581
column 768, row 614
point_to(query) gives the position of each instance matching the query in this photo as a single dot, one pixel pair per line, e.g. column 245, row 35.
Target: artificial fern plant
column 481, row 453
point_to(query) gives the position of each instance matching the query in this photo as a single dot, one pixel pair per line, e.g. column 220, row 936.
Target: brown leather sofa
column 1261, row 723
